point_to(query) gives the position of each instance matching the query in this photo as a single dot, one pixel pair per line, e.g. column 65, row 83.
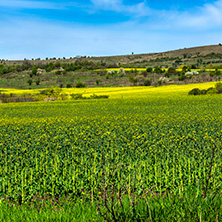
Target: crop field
column 164, row 69
column 144, row 140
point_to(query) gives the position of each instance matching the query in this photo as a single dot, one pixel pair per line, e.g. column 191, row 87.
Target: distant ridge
column 124, row 59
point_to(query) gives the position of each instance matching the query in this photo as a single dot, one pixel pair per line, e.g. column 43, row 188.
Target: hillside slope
column 186, row 53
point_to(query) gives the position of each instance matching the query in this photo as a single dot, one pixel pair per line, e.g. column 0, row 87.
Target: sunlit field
column 144, row 141
column 164, row 69
column 123, row 92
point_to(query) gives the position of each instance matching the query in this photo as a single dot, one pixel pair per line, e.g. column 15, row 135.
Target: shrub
column 94, row 96
column 182, row 77
column 149, row 69
column 158, row 70
column 58, row 72
column 194, row 91
column 77, row 96
column 147, row 82
column 37, row 82
column 13, row 98
column 111, row 72
column 144, row 74
column 163, row 79
column 51, row 92
column 121, row 72
column 172, row 71
column 80, row 85
column 193, row 66
column 211, row 91
column 167, row 74
column 34, row 70
column 98, row 81
column 68, row 85
column 189, row 75
column 218, row 87
column 133, row 79
column 203, row 92
column 210, row 88
column 215, row 73
column 29, row 82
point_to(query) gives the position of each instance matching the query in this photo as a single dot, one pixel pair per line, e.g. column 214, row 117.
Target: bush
column 182, row 77
column 210, row 88
column 111, row 72
column 37, row 82
column 14, row 98
column 167, row 74
column 203, row 92
column 147, row 82
column 29, row 82
column 58, row 72
column 133, row 79
column 218, row 87
column 194, row 91
column 172, row 71
column 212, row 91
column 51, row 92
column 77, row 96
column 94, row 96
column 144, row 74
column 80, row 85
column 68, row 85
column 121, row 72
column 149, row 69
column 215, row 73
column 158, row 70
column 34, row 70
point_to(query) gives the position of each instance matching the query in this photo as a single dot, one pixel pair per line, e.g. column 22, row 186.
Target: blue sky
column 45, row 28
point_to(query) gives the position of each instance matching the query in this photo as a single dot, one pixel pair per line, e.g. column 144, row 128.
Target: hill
column 65, row 72
column 186, row 54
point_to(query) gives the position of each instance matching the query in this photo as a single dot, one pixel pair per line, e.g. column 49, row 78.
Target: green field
column 142, row 141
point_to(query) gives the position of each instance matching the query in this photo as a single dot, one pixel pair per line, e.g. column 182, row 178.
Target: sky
column 69, row 28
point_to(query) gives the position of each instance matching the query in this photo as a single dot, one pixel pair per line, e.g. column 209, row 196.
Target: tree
column 34, row 70
column 133, row 79
column 149, row 69
column 52, row 92
column 98, row 81
column 80, row 85
column 194, row 91
column 29, row 82
column 68, row 85
column 157, row 70
column 218, row 87
column 37, row 82
column 172, row 71
column 147, row 82
column 121, row 72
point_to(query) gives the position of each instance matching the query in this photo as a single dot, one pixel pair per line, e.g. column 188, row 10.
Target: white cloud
column 210, row 15
column 140, row 9
column 30, row 4
column 199, row 18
